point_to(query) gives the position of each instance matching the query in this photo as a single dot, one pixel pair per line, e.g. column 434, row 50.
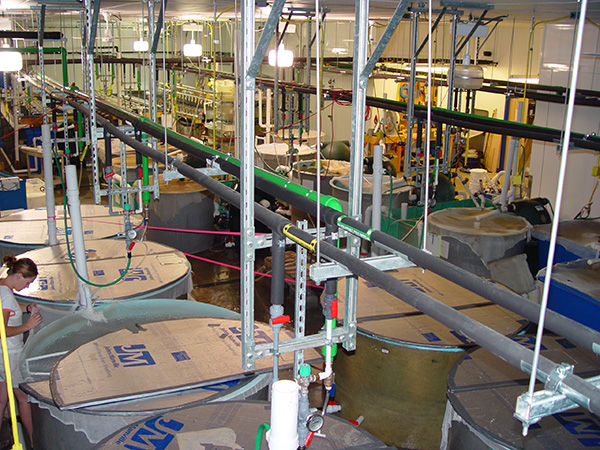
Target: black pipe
column 31, row 35
column 107, row 149
column 583, row 393
column 277, row 268
column 555, row 322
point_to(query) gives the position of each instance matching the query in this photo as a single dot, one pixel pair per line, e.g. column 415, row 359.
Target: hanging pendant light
column 283, row 57
column 192, row 49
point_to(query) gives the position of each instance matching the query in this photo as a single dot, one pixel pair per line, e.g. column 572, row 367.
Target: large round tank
column 305, row 173
column 27, row 230
column 183, row 205
column 396, row 377
column 396, row 188
column 474, row 238
column 231, row 425
column 65, row 341
column 275, row 154
column 575, row 291
column 576, row 239
column 155, row 271
column 482, row 393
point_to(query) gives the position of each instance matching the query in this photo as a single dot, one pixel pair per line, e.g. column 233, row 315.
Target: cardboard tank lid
column 161, row 357
column 30, row 227
column 478, row 221
column 383, row 316
column 483, row 390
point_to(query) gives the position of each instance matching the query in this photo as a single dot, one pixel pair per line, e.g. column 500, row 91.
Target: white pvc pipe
column 283, row 434
column 377, row 181
column 85, row 298
column 508, row 166
column 559, row 191
column 49, row 184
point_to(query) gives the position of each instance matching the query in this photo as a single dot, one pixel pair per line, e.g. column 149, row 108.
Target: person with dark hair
column 21, row 272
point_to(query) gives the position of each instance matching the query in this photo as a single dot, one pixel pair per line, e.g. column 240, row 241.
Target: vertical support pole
column 85, row 297
column 453, row 31
column 300, row 312
column 91, row 19
column 49, row 183
column 152, row 89
column 247, row 249
column 359, row 86
column 410, row 101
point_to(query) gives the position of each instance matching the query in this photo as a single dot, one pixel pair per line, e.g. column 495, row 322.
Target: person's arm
column 33, row 321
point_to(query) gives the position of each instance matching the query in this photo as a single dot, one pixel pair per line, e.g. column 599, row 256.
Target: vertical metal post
column 300, row 312
column 152, row 88
column 247, row 184
column 91, row 18
column 308, row 75
column 359, row 86
column 410, row 101
column 450, row 78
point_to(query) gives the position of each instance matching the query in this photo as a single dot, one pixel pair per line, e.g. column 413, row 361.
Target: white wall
column 545, row 160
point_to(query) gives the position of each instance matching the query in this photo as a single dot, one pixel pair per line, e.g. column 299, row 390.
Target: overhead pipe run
column 556, row 323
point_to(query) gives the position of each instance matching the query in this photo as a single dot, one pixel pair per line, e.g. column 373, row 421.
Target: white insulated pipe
column 85, row 298
column 283, row 434
column 49, row 184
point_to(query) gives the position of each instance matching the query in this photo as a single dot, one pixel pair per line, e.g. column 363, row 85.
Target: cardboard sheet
column 374, row 302
column 154, row 268
column 30, row 227
column 165, row 356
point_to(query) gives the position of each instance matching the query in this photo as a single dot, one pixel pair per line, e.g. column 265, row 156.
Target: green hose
column 259, row 434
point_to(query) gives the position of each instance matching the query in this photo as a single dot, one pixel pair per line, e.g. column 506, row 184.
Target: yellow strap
column 9, row 387
column 307, row 245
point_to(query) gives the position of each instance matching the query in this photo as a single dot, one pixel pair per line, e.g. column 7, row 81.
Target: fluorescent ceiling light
column 11, row 61
column 141, row 46
column 285, row 58
column 434, row 68
column 192, row 49
column 518, row 79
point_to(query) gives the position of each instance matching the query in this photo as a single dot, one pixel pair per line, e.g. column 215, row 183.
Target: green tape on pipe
column 326, row 200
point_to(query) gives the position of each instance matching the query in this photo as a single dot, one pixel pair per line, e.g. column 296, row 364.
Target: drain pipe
column 85, row 297
column 49, row 183
column 277, row 288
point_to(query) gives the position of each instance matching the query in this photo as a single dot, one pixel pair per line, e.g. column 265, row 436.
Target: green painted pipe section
column 326, row 200
column 145, row 180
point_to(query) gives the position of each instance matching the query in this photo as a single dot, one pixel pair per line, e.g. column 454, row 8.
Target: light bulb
column 285, row 58
column 141, row 46
column 192, row 49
